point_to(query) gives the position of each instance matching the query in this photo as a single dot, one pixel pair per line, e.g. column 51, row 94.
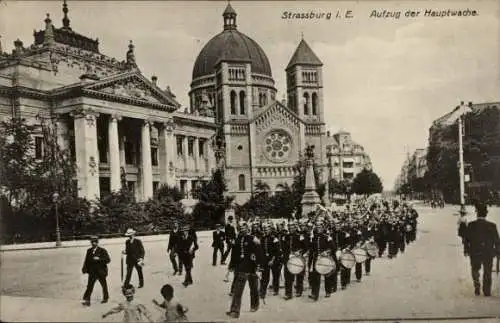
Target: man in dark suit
column 96, row 266
column 135, row 257
column 218, row 238
column 172, row 249
column 482, row 243
column 187, row 245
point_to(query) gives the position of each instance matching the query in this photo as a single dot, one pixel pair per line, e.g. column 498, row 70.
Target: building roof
column 304, row 55
column 231, row 45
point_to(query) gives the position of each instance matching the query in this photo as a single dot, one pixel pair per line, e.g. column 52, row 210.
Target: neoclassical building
column 120, row 124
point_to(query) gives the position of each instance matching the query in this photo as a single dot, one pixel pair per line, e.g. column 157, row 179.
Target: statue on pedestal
column 310, row 199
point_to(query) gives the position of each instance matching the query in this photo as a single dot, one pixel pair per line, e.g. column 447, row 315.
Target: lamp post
column 55, row 200
column 462, row 108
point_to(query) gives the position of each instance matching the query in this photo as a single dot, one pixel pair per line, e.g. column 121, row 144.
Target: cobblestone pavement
column 430, row 280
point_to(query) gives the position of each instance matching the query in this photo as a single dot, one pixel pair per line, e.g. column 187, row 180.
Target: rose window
column 277, row 146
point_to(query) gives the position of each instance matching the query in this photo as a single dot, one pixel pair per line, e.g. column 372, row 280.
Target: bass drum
column 347, row 259
column 325, row 265
column 296, row 264
column 409, row 228
column 372, row 249
column 360, row 255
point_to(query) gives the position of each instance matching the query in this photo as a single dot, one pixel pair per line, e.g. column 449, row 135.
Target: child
column 175, row 312
column 133, row 312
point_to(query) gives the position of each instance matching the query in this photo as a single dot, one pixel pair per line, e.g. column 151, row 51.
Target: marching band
column 328, row 244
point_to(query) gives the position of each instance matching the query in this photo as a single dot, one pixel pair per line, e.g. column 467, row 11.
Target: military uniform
column 321, row 243
column 246, row 260
column 271, row 254
column 292, row 243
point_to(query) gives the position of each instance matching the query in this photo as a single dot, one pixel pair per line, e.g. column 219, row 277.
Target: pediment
column 277, row 114
column 132, row 86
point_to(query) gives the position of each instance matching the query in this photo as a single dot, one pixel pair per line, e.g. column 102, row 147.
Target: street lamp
column 55, row 200
column 462, row 108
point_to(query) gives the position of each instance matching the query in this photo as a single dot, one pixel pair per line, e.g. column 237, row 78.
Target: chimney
column 154, row 79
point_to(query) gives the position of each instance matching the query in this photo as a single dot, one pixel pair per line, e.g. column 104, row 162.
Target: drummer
column 321, row 245
column 294, row 243
column 343, row 241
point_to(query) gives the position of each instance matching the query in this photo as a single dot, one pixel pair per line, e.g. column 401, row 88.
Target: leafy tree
column 212, row 201
column 367, row 182
column 164, row 192
column 16, row 158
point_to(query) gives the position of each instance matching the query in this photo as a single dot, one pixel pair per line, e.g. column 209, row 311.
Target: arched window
column 260, row 101
column 242, row 102
column 314, row 104
column 306, row 103
column 264, row 97
column 241, row 182
column 233, row 102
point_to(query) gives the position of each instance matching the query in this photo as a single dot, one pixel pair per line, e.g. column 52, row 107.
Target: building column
column 114, row 153
column 62, row 133
column 196, row 153
column 168, row 155
column 146, row 168
column 87, row 155
column 185, row 153
column 189, row 188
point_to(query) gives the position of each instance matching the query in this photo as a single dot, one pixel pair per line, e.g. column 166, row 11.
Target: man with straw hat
column 135, row 257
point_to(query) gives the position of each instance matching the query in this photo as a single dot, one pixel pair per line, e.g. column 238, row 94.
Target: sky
column 385, row 79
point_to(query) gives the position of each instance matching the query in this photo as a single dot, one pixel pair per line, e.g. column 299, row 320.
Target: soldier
column 135, row 257
column 359, row 240
column 321, row 244
column 230, row 233
column 246, row 260
column 293, row 243
column 343, row 241
column 218, row 238
column 483, row 244
column 172, row 249
column 187, row 245
column 271, row 253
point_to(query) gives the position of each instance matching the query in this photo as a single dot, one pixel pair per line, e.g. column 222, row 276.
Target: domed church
column 125, row 129
column 258, row 137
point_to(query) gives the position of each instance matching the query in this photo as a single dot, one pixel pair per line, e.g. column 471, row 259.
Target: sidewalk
column 85, row 243
column 24, row 309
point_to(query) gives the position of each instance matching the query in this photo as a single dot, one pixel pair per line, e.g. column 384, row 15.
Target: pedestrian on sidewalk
column 172, row 249
column 174, row 311
column 483, row 244
column 218, row 238
column 96, row 266
column 132, row 311
column 135, row 257
column 188, row 244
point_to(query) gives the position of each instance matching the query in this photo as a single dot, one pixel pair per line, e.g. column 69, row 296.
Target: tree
column 165, row 191
column 366, row 182
column 16, row 158
column 212, row 201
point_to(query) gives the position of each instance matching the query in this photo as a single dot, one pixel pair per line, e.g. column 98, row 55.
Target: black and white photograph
column 249, row 161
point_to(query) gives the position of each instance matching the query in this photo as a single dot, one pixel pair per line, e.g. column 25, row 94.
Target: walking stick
column 121, row 268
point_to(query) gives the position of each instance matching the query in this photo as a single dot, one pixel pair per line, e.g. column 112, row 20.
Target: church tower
column 304, row 75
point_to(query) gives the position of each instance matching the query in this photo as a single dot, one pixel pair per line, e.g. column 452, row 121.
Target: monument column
column 146, row 168
column 310, row 199
column 114, row 153
column 87, row 156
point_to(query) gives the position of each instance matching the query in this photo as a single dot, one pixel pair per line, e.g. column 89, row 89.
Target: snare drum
column 360, row 255
column 296, row 264
column 372, row 249
column 325, row 265
column 347, row 259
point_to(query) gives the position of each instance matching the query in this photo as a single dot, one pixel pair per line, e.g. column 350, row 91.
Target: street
column 430, row 280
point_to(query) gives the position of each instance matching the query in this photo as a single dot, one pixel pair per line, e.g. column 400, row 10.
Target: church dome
column 231, row 45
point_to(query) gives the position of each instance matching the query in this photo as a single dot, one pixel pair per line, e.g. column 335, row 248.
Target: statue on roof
column 131, row 55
